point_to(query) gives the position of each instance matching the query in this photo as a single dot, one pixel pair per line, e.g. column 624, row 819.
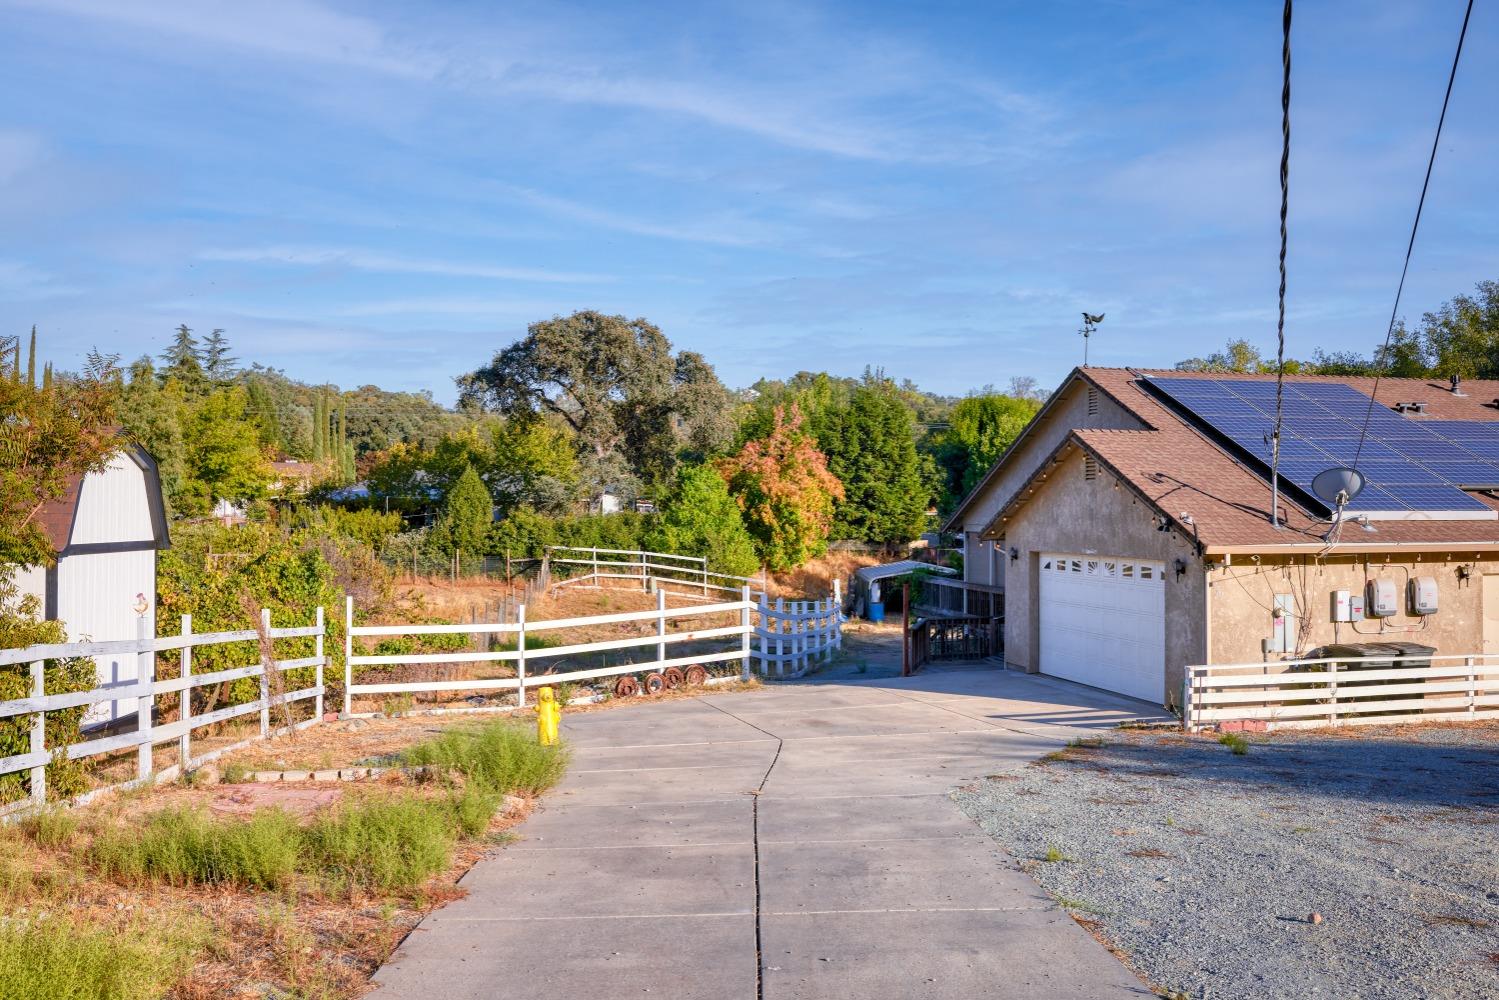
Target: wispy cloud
column 723, row 229
column 19, row 151
column 365, row 260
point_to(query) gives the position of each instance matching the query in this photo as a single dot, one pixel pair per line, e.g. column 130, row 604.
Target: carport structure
column 797, row 841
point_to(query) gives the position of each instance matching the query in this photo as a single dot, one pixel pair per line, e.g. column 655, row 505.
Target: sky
column 388, row 193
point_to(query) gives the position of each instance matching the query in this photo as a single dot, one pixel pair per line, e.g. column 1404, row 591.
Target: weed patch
column 187, row 846
column 383, row 843
column 51, row 959
column 1235, row 743
column 498, row 757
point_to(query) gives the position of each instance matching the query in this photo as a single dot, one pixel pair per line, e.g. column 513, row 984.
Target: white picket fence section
column 685, row 576
column 790, row 637
column 1328, row 692
column 146, row 687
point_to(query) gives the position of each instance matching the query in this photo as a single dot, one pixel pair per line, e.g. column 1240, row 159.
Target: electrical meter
column 1341, row 606
column 1424, row 595
column 1382, row 601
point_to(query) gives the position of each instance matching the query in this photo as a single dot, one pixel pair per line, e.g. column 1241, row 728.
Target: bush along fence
column 790, row 637
column 139, row 703
column 1341, row 692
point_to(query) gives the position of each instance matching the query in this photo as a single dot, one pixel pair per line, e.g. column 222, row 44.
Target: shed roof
column 56, row 517
column 901, row 568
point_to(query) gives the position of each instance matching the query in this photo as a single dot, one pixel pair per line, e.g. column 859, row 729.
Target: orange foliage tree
column 784, row 488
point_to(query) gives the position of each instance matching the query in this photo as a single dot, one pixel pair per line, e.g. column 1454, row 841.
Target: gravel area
column 1203, row 868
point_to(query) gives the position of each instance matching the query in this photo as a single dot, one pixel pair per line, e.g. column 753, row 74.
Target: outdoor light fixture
column 1181, row 567
column 1014, row 554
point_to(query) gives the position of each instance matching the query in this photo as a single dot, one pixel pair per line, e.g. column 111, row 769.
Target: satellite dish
column 1338, row 486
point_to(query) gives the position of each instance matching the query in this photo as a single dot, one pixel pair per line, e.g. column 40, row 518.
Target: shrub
column 50, row 827
column 497, row 757
column 187, row 846
column 1235, row 743
column 383, row 843
column 21, row 627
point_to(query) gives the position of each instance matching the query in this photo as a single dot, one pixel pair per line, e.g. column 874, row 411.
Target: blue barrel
column 876, row 611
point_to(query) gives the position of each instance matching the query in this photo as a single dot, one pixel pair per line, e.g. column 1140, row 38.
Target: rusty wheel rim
column 696, row 675
column 654, row 683
column 625, row 687
column 673, row 677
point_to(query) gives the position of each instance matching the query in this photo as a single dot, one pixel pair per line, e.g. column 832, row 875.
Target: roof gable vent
column 1090, row 467
column 1092, row 401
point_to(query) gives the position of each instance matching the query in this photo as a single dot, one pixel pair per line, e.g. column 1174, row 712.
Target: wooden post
column 185, row 701
column 145, row 676
column 348, row 655
column 507, row 565
column 520, row 657
column 705, row 578
column 596, row 566
column 905, row 630
column 780, row 619
column 800, row 625
column 1332, row 692
column 1472, row 687
column 645, row 575
column 267, row 664
column 744, row 636
column 764, row 641
column 837, row 613
column 317, row 702
column 660, row 627
column 39, row 732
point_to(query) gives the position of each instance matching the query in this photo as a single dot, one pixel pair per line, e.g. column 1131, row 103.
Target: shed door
column 1103, row 622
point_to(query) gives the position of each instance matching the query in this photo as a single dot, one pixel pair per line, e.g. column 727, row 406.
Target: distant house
column 1130, row 526
column 106, row 531
column 293, row 477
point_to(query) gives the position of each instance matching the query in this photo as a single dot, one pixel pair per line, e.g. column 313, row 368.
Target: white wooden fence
column 1332, row 692
column 146, row 687
column 791, row 636
column 652, row 571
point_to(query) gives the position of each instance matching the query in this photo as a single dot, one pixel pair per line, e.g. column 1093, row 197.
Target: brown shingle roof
column 56, row 517
column 1181, row 471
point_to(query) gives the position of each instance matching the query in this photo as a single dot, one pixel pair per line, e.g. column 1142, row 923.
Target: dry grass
column 163, row 893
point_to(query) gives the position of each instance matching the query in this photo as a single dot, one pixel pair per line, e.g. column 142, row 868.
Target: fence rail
column 960, row 598
column 1341, row 692
column 685, row 576
column 147, row 686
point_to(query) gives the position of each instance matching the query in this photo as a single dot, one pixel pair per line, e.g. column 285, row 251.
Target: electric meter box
column 1342, row 606
column 1383, row 600
column 1424, row 595
column 1356, row 607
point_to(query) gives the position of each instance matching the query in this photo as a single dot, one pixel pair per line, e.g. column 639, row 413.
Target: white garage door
column 1103, row 622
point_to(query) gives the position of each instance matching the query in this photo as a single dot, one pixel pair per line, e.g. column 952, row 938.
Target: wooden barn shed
column 106, row 532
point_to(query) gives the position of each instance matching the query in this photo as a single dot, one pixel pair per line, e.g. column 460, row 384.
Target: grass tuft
column 56, row 959
column 51, row 828
column 1055, row 855
column 384, row 843
column 187, row 846
column 1235, row 743
column 497, row 757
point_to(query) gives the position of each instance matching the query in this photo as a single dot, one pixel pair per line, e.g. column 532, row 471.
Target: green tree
column 700, row 518
column 785, row 491
column 218, row 364
column 1462, row 337
column 181, row 360
column 467, row 515
column 628, row 400
column 871, row 449
column 221, row 460
column 979, row 430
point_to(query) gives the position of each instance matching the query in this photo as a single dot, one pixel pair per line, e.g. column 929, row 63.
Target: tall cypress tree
column 319, row 424
column 31, row 360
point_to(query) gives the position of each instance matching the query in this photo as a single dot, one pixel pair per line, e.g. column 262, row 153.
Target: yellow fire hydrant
column 548, row 715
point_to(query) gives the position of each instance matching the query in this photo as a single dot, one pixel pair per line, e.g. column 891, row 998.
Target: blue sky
column 390, row 192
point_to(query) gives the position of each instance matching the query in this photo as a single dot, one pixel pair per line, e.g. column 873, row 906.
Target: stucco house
column 1129, row 524
column 106, row 531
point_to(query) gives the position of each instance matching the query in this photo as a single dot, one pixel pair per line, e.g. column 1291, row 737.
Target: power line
column 1410, row 246
column 1285, row 202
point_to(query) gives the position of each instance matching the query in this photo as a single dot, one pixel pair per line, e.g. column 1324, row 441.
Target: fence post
column 1472, row 687
column 837, row 613
column 645, row 574
column 596, row 567
column 744, row 633
column 185, row 700
column 39, row 732
column 1332, row 692
column 660, row 626
column 317, row 652
column 705, row 578
column 348, row 655
column 145, row 676
column 780, row 620
column 266, row 666
column 764, row 611
column 520, row 656
column 800, row 627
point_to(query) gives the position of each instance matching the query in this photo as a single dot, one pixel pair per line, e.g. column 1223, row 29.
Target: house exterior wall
column 1069, row 513
column 1243, row 593
column 1068, row 414
column 31, row 581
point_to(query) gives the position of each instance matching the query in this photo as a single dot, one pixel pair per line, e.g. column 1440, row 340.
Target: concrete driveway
column 797, row 841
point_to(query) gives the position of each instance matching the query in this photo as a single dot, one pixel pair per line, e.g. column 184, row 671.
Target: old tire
column 696, row 675
column 654, row 683
column 673, row 677
column 625, row 687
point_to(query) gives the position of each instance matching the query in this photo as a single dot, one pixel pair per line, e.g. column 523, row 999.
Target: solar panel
column 1409, row 465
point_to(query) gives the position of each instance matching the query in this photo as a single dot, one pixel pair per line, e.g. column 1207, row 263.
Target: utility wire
column 1410, row 246
column 1280, row 323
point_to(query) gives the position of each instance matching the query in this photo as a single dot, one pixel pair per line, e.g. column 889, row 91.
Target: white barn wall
column 113, row 506
column 96, row 597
